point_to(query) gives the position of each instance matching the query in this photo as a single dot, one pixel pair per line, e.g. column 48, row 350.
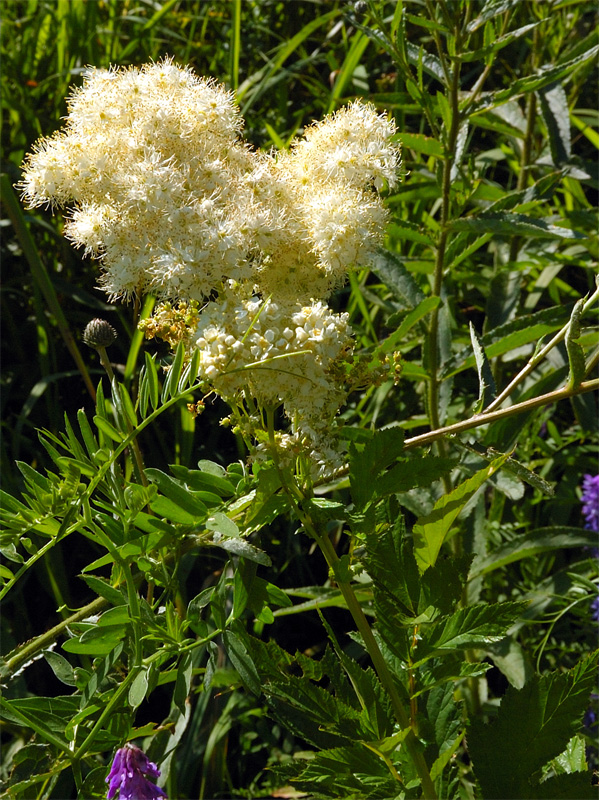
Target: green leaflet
column 510, row 224
column 432, row 530
column 533, row 725
column 541, row 540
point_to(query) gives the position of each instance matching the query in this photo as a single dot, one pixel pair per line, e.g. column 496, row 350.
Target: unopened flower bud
column 99, row 333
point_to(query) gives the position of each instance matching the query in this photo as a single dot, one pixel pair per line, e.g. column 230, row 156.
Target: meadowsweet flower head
column 166, row 195
column 161, row 189
column 128, row 776
column 590, row 501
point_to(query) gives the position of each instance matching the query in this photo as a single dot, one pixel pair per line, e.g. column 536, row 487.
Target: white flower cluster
column 166, row 194
column 275, row 353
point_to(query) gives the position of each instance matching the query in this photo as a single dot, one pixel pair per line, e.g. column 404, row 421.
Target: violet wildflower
column 128, row 775
column 590, row 502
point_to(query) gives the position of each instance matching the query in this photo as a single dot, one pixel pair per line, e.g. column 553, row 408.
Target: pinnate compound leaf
column 60, row 667
column 237, row 650
column 178, row 494
column 138, row 689
column 104, row 589
column 97, row 641
column 533, row 725
column 433, row 529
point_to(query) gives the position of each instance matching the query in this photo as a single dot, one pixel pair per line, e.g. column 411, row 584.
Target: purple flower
column 590, row 501
column 127, row 775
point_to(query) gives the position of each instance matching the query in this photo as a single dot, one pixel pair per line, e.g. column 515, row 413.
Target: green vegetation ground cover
column 241, row 664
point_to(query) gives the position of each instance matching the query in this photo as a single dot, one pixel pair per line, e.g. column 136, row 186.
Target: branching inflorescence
column 165, row 193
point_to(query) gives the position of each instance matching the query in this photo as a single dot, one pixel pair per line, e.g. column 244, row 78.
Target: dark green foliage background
column 534, row 156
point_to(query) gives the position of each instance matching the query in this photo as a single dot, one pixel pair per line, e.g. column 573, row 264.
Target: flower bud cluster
column 275, row 353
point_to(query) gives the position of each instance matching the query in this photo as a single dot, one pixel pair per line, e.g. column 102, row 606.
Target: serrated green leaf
column 392, row 271
column 421, row 144
column 393, row 342
column 540, row 540
column 556, row 115
column 520, row 331
column 498, row 43
column 367, row 463
column 104, row 589
column 430, row 63
column 510, row 224
column 490, row 9
column 533, row 725
column 402, row 230
column 469, row 627
column 530, row 83
column 432, row 530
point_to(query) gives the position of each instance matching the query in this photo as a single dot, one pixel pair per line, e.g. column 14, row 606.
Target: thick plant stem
column 433, row 334
column 487, row 417
column 379, row 663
